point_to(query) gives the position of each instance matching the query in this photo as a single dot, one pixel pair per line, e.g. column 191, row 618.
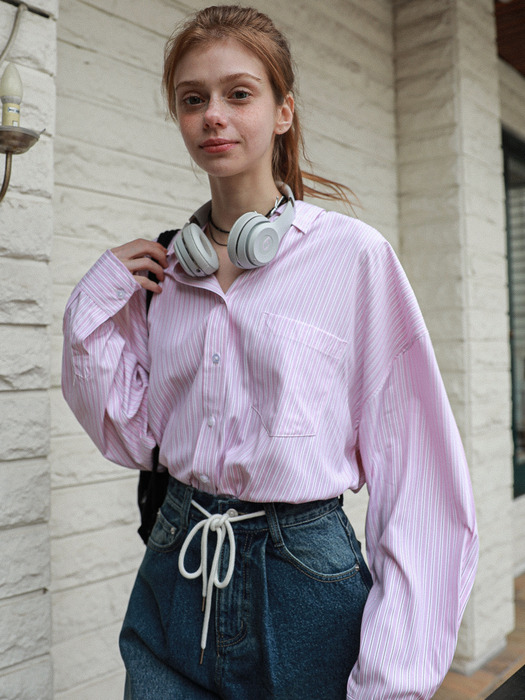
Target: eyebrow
column 226, row 79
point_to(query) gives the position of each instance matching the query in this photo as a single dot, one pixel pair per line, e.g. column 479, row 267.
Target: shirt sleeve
column 105, row 362
column 421, row 534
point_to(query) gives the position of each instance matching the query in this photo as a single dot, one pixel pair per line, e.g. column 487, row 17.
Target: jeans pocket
column 322, row 548
column 168, row 530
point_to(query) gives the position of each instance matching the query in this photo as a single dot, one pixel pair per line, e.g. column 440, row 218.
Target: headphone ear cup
column 236, row 242
column 262, row 243
column 195, row 252
column 253, row 241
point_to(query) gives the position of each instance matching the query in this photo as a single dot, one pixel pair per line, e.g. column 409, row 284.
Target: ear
column 284, row 115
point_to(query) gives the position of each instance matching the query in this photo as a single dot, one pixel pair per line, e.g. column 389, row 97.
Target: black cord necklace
column 212, row 224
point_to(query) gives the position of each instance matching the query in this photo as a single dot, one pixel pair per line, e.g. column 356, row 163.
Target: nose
column 215, row 113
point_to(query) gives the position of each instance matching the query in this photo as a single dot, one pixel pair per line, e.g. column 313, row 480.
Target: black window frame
column 514, row 149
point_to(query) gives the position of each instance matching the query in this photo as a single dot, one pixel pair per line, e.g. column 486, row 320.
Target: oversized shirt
column 311, row 375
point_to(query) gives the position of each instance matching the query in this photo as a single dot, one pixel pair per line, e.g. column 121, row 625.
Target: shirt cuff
column 109, row 284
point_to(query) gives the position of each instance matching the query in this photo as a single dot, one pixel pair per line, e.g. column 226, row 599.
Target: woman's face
column 226, row 110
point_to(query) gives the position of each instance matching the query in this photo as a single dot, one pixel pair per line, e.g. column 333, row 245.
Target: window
column 514, row 159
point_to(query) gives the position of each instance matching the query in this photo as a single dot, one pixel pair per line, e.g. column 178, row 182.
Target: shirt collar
column 305, row 216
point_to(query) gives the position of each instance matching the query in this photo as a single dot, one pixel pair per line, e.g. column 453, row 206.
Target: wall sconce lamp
column 13, row 138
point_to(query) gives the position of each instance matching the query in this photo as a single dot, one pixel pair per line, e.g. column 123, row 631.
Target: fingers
column 143, row 256
column 141, row 248
column 149, row 284
column 146, row 264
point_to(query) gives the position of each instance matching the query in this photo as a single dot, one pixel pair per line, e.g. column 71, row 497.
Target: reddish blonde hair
column 257, row 33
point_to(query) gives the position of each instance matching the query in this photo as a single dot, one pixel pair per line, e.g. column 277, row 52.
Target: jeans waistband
column 180, row 496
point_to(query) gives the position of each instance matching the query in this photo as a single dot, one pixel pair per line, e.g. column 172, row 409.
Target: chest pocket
column 292, row 366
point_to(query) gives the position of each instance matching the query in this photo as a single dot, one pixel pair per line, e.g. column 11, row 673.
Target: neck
column 229, row 203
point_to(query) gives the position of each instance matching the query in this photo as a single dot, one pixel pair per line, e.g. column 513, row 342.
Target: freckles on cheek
column 186, row 132
column 183, row 123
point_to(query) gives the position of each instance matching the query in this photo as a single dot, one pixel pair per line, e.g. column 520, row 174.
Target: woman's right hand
column 142, row 256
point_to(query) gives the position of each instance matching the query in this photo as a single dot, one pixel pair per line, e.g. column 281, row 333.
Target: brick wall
column 26, row 224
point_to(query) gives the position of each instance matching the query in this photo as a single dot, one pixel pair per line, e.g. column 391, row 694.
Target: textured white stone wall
column 26, row 225
column 121, row 171
column 512, row 101
column 453, row 248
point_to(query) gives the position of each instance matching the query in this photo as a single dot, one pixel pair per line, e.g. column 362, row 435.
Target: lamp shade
column 11, row 84
column 11, row 96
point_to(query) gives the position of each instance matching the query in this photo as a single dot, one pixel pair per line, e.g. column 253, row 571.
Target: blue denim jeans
column 286, row 627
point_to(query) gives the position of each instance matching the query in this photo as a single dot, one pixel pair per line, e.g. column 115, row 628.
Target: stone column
column 453, row 248
column 26, row 223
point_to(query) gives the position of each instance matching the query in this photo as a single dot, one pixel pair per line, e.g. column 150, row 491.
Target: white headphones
column 253, row 240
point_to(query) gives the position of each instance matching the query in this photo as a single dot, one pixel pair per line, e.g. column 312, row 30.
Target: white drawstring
column 221, row 524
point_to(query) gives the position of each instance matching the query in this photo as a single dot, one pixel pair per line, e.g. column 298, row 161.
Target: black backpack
column 152, row 484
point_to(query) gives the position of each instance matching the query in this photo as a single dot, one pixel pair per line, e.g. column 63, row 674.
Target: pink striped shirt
column 309, row 376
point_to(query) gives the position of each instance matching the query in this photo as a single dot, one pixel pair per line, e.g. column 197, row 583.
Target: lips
column 217, row 145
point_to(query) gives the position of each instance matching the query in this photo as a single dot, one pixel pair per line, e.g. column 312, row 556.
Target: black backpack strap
column 151, row 492
column 152, row 484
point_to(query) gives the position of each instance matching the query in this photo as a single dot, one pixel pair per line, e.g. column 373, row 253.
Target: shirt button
column 216, row 358
column 120, row 293
column 211, row 421
column 203, row 478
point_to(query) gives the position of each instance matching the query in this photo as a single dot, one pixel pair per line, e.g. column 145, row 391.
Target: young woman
column 283, row 361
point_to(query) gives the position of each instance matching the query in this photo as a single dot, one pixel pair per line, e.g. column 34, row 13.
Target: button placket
column 216, row 359
column 207, row 450
column 214, row 374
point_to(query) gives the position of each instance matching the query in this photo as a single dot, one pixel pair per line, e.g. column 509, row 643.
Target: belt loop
column 273, row 524
column 186, row 504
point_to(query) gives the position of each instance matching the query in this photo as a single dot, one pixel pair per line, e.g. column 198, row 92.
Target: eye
column 192, row 100
column 240, row 94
